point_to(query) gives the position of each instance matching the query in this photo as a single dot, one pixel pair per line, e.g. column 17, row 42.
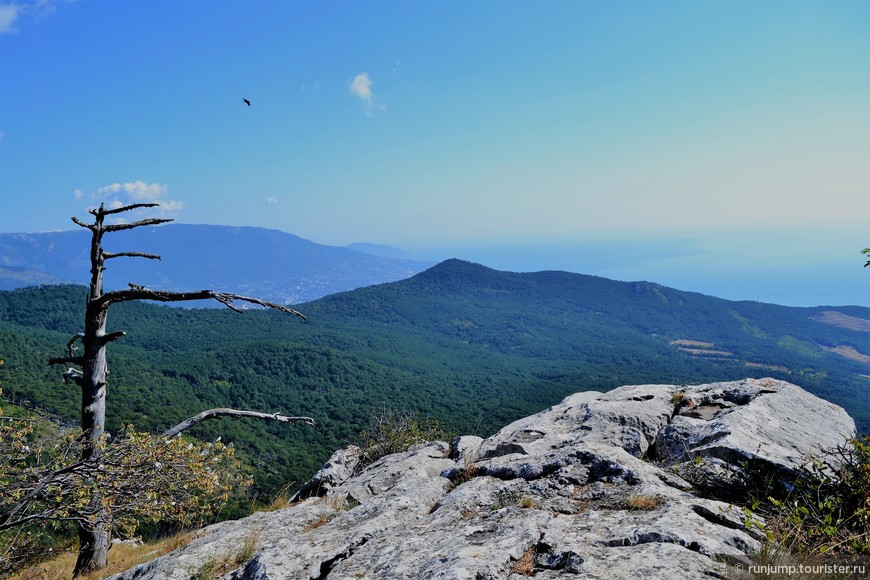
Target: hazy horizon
column 695, row 263
column 719, row 147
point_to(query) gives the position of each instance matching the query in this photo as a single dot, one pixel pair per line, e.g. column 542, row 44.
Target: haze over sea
column 719, row 147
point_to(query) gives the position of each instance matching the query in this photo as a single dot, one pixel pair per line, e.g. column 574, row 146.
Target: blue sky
column 732, row 138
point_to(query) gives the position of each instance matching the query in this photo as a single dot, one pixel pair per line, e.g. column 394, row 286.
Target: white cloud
column 12, row 12
column 117, row 195
column 171, row 206
column 361, row 86
column 271, row 200
column 8, row 16
column 136, row 191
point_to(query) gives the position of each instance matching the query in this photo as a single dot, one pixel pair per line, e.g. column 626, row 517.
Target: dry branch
column 220, row 412
column 125, row 208
column 106, row 339
column 130, row 226
column 109, row 255
column 137, row 292
column 72, row 341
column 72, row 376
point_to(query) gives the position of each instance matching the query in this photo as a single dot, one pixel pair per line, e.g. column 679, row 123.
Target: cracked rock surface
column 594, row 487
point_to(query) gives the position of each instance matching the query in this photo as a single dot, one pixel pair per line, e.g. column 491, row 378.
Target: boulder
column 340, row 467
column 591, row 488
column 729, row 438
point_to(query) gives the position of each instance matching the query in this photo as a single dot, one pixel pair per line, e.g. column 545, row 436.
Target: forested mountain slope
column 469, row 346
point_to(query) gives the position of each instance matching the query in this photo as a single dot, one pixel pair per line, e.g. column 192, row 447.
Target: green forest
column 469, row 347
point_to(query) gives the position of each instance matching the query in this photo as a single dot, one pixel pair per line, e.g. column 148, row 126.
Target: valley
column 470, row 347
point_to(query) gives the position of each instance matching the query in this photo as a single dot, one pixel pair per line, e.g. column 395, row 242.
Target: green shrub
column 393, row 431
column 827, row 511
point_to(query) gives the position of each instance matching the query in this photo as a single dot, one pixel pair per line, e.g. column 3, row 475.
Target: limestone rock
column 727, row 437
column 337, row 470
column 588, row 488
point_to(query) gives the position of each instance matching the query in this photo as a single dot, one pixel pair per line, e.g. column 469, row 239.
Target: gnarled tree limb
column 106, row 339
column 74, row 359
column 123, row 209
column 72, row 341
column 109, row 255
column 137, row 292
column 131, row 225
column 72, row 376
column 221, row 412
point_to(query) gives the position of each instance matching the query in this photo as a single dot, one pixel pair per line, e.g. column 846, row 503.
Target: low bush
column 393, row 431
column 827, row 511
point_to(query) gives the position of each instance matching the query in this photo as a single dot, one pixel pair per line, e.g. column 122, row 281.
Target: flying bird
column 247, row 102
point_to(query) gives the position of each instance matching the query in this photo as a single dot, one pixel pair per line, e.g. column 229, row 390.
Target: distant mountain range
column 269, row 264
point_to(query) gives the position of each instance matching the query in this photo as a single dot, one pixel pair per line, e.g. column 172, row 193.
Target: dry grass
column 336, row 505
column 466, row 474
column 122, row 557
column 218, row 566
column 323, row 519
column 281, row 499
column 525, row 566
column 643, row 502
column 338, row 502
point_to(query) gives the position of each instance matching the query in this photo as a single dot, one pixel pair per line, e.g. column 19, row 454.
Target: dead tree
column 92, row 372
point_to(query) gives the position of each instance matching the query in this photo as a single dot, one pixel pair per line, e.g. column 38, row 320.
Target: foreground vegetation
column 827, row 510
column 146, row 483
column 823, row 517
column 124, row 556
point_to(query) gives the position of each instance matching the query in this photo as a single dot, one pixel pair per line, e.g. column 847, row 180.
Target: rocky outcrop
column 602, row 485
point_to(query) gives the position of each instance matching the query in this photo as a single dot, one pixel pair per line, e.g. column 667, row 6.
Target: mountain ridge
column 272, row 264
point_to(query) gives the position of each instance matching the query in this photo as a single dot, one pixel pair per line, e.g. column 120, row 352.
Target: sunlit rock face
column 603, row 485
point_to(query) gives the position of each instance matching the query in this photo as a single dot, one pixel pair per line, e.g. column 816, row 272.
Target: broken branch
column 109, row 256
column 137, row 292
column 131, row 225
column 220, row 412
column 128, row 208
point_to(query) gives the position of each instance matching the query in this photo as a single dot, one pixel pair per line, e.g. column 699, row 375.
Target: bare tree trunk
column 93, row 544
column 94, row 536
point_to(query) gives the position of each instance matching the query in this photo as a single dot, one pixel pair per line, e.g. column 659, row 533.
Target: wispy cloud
column 12, row 12
column 361, row 87
column 271, row 200
column 117, row 195
column 8, row 15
